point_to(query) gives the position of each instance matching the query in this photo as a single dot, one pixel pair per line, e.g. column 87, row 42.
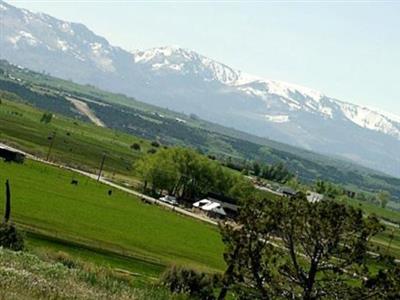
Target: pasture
column 76, row 143
column 46, row 203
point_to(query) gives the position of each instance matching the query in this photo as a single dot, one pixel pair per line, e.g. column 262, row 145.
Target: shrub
column 46, row 118
column 187, row 281
column 135, row 146
column 151, row 151
column 155, row 144
column 66, row 260
column 10, row 237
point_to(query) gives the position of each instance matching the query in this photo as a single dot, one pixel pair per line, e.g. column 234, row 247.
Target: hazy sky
column 349, row 50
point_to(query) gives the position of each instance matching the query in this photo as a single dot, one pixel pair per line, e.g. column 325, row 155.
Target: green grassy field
column 83, row 220
column 76, row 143
column 370, row 208
column 385, row 238
column 44, row 201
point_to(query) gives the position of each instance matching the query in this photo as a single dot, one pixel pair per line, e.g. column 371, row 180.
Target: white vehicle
column 169, row 199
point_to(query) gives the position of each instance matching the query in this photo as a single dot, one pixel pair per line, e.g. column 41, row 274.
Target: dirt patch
column 84, row 109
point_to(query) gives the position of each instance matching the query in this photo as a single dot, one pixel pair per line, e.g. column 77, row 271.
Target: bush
column 135, row 146
column 46, row 118
column 186, row 281
column 155, row 144
column 10, row 237
column 151, row 151
column 66, row 260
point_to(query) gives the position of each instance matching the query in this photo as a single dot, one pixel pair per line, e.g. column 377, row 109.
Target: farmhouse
column 9, row 154
column 217, row 206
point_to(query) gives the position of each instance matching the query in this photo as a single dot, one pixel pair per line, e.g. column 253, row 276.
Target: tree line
column 187, row 174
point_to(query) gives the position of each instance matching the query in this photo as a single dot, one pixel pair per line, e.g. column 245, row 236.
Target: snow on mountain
column 185, row 61
column 186, row 81
column 42, row 32
column 296, row 97
column 367, row 118
column 277, row 119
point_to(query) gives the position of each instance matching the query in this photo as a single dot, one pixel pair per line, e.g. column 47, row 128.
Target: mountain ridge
column 186, row 81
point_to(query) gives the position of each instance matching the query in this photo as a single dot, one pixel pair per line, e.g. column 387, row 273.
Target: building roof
column 211, row 206
column 215, row 208
column 10, row 149
column 226, row 205
column 314, row 197
column 287, row 190
column 201, row 203
column 221, row 198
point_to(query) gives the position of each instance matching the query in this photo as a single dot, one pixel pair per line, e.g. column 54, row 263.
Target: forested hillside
column 169, row 128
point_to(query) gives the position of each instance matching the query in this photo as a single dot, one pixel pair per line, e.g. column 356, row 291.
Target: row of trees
column 277, row 172
column 331, row 190
column 187, row 174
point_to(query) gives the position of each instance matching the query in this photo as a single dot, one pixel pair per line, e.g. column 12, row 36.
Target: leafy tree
column 295, row 249
column 151, row 151
column 256, row 168
column 157, row 171
column 277, row 172
column 195, row 284
column 155, row 144
column 135, row 146
column 10, row 237
column 383, row 198
column 384, row 285
column 328, row 189
column 46, row 118
column 188, row 174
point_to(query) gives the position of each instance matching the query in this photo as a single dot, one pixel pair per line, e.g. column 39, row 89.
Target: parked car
column 169, row 199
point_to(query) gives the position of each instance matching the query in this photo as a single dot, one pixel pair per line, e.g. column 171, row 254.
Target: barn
column 11, row 155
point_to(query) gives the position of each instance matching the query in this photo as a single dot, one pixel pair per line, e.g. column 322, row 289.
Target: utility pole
column 52, row 138
column 101, row 166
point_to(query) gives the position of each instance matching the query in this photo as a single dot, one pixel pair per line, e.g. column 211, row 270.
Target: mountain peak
column 184, row 62
column 184, row 80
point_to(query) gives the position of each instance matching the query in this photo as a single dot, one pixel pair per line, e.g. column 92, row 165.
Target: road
column 265, row 189
column 116, row 186
column 143, row 196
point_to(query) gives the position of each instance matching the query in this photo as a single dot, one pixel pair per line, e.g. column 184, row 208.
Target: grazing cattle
column 109, row 192
column 74, row 182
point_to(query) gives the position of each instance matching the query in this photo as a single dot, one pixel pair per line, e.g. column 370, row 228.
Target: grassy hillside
column 44, row 201
column 142, row 120
column 76, row 143
column 57, row 276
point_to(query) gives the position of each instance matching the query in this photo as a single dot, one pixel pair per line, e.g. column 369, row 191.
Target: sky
column 349, row 50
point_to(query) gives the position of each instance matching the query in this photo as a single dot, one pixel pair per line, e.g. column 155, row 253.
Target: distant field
column 369, row 208
column 44, row 200
column 384, row 238
column 76, row 143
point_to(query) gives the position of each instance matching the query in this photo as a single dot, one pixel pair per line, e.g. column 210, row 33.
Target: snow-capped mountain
column 186, row 81
column 292, row 97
